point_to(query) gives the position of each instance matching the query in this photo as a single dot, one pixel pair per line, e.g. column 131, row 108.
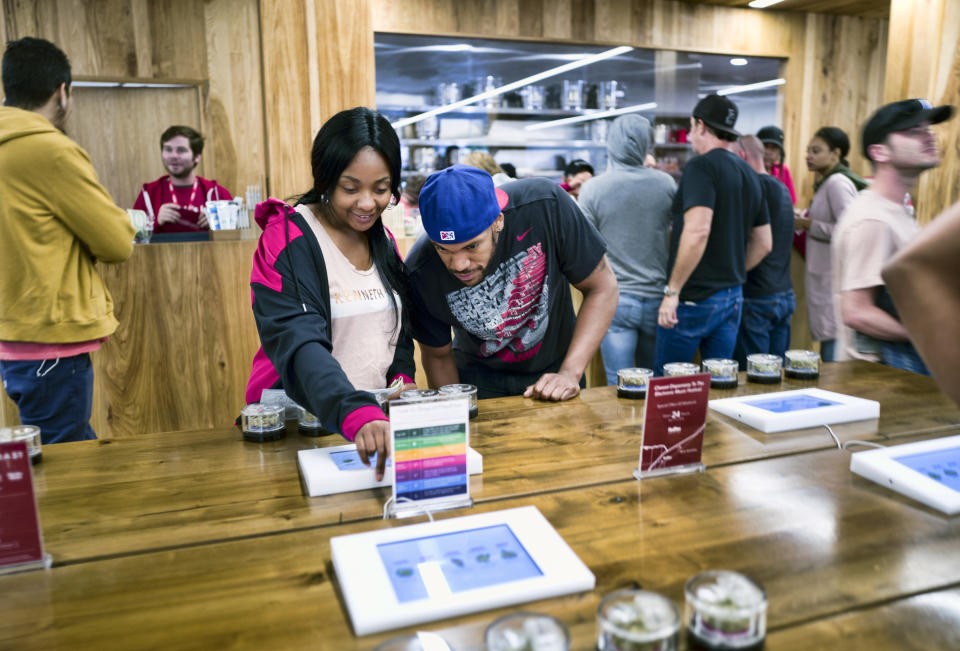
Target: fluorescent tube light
column 552, row 72
column 733, row 90
column 763, row 4
column 95, row 84
column 591, row 116
column 738, row 61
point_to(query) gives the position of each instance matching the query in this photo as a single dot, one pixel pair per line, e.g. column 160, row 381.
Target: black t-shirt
column 723, row 182
column 519, row 318
column 772, row 275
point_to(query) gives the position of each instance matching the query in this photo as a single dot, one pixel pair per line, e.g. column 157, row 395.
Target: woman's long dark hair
column 337, row 142
column 836, row 138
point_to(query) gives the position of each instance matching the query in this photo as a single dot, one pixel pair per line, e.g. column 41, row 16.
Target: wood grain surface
column 822, row 542
column 217, row 42
column 155, row 492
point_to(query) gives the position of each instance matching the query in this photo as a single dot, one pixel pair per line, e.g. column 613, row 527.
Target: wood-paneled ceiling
column 864, row 8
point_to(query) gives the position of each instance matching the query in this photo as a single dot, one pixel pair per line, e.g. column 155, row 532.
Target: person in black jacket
column 330, row 293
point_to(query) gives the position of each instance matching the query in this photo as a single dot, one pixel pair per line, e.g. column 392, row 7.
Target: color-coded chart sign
column 674, row 418
column 21, row 542
column 430, row 455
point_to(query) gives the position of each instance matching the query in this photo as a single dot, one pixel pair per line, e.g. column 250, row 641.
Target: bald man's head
column 751, row 150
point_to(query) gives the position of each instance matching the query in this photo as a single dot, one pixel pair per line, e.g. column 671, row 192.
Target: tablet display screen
column 350, row 460
column 435, row 566
column 791, row 403
column 942, row 466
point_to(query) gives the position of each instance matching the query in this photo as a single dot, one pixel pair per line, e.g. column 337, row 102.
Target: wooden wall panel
column 287, row 105
column 924, row 61
column 127, row 154
column 233, row 107
column 217, row 40
column 310, row 79
column 181, row 356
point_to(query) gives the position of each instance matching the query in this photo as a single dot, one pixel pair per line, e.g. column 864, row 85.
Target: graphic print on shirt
column 508, row 310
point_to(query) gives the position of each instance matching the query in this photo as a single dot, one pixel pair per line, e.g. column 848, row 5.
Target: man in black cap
column 900, row 144
column 720, row 230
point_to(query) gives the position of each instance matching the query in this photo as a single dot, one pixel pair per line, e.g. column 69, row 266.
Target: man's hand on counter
column 553, row 386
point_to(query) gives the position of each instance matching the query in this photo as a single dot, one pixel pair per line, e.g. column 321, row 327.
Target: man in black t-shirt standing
column 720, row 230
column 768, row 299
column 496, row 265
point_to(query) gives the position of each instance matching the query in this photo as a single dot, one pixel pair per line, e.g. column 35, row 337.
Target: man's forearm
column 871, row 320
column 689, row 252
column 439, row 366
column 593, row 321
column 759, row 245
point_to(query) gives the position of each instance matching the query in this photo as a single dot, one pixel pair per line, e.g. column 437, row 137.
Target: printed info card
column 430, row 441
column 674, row 418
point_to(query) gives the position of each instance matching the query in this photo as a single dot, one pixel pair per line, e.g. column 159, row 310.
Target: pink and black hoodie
column 291, row 305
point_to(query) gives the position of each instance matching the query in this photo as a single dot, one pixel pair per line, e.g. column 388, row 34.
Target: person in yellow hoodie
column 56, row 221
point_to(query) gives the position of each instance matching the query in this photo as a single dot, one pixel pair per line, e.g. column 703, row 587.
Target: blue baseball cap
column 458, row 203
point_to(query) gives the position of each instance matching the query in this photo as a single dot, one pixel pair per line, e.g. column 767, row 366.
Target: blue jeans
column 710, row 325
column 902, row 355
column 54, row 394
column 828, row 350
column 765, row 326
column 632, row 336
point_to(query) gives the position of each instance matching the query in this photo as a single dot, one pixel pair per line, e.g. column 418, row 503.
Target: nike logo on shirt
column 520, row 237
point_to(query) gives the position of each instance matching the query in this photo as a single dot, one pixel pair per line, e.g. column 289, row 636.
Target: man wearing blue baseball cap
column 496, row 264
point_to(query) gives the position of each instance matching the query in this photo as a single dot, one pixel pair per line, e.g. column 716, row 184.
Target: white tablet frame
column 881, row 467
column 322, row 477
column 850, row 409
column 373, row 605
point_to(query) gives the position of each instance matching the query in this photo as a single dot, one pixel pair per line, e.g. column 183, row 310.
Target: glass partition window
column 539, row 105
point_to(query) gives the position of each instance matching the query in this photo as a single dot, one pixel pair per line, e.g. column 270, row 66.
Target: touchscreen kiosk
column 928, row 471
column 338, row 469
column 788, row 410
column 403, row 576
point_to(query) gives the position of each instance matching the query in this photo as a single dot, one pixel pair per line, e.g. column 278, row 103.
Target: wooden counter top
column 824, row 544
column 104, row 498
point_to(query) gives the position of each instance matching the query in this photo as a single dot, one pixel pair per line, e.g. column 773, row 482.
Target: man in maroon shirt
column 175, row 201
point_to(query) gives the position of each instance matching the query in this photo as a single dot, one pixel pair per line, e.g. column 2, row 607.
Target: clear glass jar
column 262, row 422
column 632, row 382
column 417, row 395
column 457, row 390
column 527, row 632
column 764, row 368
column 802, row 364
column 674, row 369
column 310, row 425
column 29, row 434
column 637, row 620
column 723, row 373
column 725, row 610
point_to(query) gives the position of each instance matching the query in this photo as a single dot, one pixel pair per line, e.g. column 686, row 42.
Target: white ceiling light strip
column 763, row 4
column 506, row 88
column 733, row 90
column 591, row 116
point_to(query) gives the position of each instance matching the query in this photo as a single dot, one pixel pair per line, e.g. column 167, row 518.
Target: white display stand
column 338, row 469
column 799, row 409
column 402, row 576
column 927, row 471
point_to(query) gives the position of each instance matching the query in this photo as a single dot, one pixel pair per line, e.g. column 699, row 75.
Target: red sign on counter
column 21, row 543
column 674, row 417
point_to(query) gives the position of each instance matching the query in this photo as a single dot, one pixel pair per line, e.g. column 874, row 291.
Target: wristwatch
column 670, row 292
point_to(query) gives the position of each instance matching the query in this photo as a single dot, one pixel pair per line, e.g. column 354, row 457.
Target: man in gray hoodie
column 630, row 206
